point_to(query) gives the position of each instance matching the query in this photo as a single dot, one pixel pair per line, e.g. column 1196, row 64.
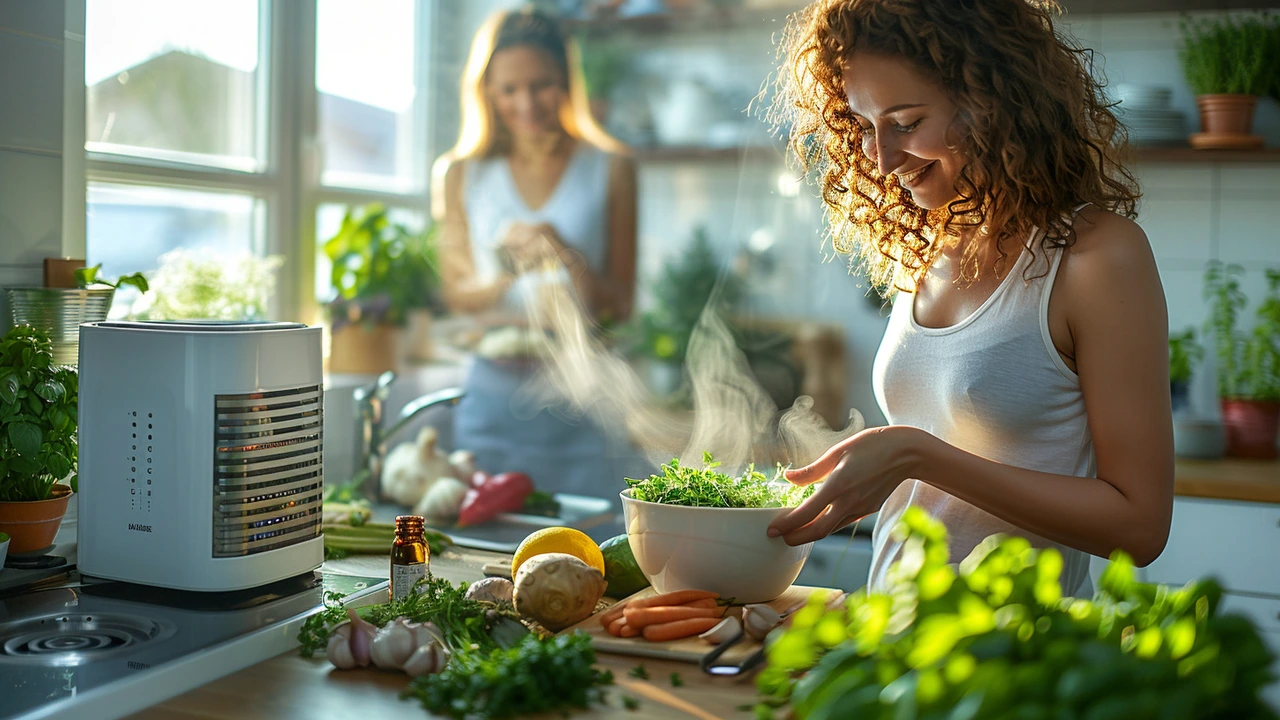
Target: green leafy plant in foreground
column 708, row 487
column 38, row 399
column 996, row 640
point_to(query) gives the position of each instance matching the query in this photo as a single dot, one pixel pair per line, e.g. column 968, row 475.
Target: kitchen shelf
column 1143, row 155
column 713, row 19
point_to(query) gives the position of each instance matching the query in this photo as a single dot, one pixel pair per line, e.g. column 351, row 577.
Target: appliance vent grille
column 267, row 475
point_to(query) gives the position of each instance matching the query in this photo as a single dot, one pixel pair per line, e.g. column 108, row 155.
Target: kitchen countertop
column 288, row 687
column 1228, row 479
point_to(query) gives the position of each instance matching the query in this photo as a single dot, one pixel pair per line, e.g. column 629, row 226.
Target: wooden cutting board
column 689, row 649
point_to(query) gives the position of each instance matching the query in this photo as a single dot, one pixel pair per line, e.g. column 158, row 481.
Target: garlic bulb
column 728, row 629
column 759, row 619
column 443, row 499
column 495, row 590
column 463, row 463
column 411, row 468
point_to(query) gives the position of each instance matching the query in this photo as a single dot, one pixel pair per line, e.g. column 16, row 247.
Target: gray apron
column 562, row 451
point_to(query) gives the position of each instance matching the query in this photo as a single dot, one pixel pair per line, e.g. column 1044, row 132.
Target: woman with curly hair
column 970, row 163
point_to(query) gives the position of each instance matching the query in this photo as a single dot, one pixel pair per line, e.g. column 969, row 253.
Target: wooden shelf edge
column 1141, row 154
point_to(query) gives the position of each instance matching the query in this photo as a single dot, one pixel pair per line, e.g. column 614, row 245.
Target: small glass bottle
column 409, row 555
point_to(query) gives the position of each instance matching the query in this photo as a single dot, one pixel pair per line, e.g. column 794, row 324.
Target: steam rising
column 733, row 418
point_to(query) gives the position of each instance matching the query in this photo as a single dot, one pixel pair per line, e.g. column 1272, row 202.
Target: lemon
column 558, row 540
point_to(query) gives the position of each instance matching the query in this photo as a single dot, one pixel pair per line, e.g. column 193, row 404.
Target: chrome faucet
column 372, row 437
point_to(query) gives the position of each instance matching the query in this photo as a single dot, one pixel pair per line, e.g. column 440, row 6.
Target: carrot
column 615, row 627
column 628, row 631
column 703, row 603
column 611, row 614
column 644, row 617
column 679, row 597
column 679, row 629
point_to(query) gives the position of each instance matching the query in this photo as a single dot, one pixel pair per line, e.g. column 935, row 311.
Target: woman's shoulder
column 1109, row 256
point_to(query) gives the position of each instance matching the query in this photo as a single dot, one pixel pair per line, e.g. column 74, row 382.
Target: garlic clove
column 426, row 660
column 759, row 619
column 728, row 629
column 339, row 648
column 393, row 644
column 361, row 638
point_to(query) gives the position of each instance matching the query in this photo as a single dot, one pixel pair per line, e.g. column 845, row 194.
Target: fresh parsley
column 708, row 487
column 630, row 703
column 676, row 680
column 534, row 676
column 639, row 672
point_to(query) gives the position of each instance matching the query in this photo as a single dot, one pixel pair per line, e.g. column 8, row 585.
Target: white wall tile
column 1253, row 180
column 1178, row 229
column 37, row 17
column 1166, row 180
column 1249, row 231
column 30, row 208
column 33, row 94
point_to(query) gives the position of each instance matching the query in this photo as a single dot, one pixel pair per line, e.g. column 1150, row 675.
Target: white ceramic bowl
column 724, row 550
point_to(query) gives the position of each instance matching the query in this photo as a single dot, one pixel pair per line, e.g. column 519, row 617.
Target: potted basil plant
column 1184, row 354
column 1248, row 362
column 60, row 311
column 1230, row 61
column 38, row 448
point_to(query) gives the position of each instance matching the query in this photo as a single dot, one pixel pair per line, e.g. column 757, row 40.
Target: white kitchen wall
column 33, row 45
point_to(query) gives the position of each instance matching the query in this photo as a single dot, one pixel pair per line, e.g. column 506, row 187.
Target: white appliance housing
column 201, row 460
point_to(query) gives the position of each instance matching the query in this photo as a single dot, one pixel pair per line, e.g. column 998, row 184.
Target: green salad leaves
column 708, row 487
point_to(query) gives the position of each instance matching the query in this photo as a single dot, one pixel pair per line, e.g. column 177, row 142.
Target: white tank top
column 993, row 385
column 577, row 209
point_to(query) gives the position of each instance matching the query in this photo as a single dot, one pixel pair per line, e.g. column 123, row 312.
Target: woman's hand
column 861, row 472
column 530, row 246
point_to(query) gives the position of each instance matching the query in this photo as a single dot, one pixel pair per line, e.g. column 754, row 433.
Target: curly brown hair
column 1041, row 138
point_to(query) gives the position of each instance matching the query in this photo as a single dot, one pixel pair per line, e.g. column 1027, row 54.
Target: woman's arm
column 1118, row 325
column 463, row 292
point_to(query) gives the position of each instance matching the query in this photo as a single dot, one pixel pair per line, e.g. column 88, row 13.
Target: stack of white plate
column 1144, row 109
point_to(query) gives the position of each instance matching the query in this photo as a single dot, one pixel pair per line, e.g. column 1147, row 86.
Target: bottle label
column 404, row 577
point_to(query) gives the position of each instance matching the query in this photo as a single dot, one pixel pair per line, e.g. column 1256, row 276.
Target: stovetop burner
column 117, row 648
column 70, row 640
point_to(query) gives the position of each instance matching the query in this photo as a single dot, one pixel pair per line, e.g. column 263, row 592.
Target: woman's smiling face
column 909, row 126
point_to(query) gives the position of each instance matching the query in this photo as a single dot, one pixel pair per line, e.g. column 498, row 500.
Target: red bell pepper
column 504, row 492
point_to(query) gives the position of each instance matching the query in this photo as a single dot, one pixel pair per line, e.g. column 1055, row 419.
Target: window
column 243, row 124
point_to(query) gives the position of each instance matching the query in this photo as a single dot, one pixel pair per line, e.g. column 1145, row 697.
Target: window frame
column 288, row 184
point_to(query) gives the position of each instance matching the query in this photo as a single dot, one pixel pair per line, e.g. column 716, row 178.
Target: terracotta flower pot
column 1251, row 428
column 33, row 524
column 357, row 348
column 1226, row 122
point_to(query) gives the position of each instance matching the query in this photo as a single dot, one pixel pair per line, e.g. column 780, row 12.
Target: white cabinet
column 1239, row 544
column 1236, row 542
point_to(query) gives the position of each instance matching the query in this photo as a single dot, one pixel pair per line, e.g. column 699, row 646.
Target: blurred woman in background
column 533, row 192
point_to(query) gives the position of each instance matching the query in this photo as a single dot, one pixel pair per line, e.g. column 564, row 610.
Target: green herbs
column 639, row 672
column 996, row 639
column 535, row 676
column 630, row 703
column 463, row 622
column 1248, row 363
column 38, row 402
column 1184, row 354
column 676, row 680
column 1231, row 54
column 707, row 487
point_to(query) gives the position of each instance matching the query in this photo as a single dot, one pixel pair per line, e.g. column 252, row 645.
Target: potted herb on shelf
column 1229, row 61
column 37, row 438
column 1248, row 363
column 210, row 285
column 384, row 277
column 1184, row 354
column 60, row 311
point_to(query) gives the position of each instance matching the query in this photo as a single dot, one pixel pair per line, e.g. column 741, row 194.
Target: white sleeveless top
column 993, row 385
column 577, row 209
